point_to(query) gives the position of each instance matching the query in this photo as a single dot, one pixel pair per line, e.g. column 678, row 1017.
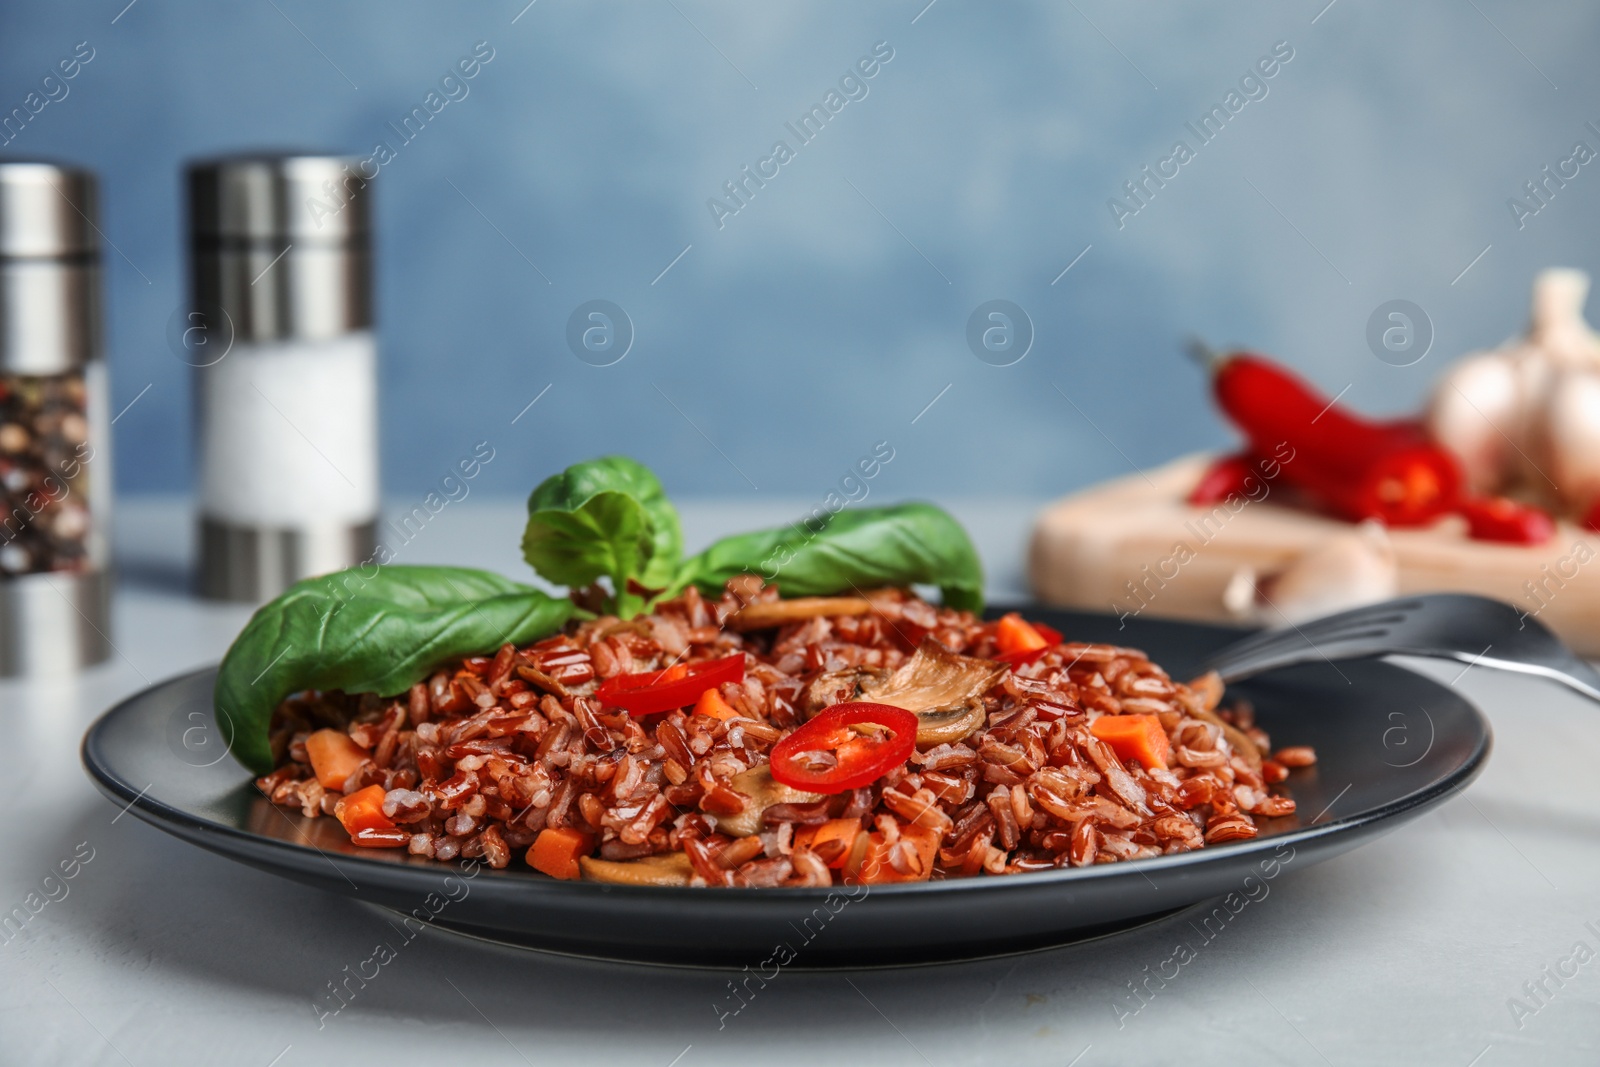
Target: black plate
column 1391, row 744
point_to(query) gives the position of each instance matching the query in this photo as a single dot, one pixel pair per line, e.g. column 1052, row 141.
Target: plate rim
column 168, row 818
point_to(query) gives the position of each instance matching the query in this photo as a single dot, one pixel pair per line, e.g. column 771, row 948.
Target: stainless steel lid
column 280, row 246
column 47, row 211
column 272, row 196
column 49, row 268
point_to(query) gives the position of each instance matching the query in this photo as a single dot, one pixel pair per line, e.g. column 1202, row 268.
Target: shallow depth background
column 830, row 311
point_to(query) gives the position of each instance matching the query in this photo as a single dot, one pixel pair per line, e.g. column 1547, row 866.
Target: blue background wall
column 826, row 314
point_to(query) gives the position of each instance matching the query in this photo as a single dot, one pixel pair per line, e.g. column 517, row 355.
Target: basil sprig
column 610, row 518
column 368, row 635
column 606, row 519
column 860, row 549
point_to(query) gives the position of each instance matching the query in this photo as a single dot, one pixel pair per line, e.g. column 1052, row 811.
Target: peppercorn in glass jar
column 54, row 467
column 44, row 449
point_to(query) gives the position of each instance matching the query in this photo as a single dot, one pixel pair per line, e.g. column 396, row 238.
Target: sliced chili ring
column 830, row 754
column 667, row 690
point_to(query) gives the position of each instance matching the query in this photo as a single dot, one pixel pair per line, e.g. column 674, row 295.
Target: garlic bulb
column 1346, row 570
column 1524, row 419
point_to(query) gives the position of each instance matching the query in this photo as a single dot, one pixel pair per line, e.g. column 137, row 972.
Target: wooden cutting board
column 1089, row 546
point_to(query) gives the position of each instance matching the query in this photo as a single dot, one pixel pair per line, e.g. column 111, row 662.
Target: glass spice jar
column 55, row 477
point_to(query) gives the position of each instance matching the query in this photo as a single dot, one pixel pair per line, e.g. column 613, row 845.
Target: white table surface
column 1407, row 951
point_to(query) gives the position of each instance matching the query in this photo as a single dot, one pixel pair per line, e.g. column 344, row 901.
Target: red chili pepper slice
column 1359, row 469
column 827, row 755
column 1499, row 519
column 676, row 687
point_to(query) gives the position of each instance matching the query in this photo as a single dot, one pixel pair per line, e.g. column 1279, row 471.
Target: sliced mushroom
column 769, row 613
column 946, row 726
column 762, row 791
column 837, row 687
column 943, row 689
column 667, row 868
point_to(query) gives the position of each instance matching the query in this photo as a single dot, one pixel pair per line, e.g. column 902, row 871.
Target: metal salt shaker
column 280, row 334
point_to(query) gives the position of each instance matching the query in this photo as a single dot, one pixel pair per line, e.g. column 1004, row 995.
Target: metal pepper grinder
column 55, row 455
column 286, row 379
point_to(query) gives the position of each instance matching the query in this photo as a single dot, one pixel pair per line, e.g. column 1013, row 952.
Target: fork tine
column 1457, row 626
column 1344, row 630
column 1297, row 649
column 1328, row 627
column 1261, row 640
column 1267, row 646
column 1390, row 611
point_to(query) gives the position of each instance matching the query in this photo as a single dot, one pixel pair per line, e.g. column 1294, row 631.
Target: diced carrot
column 712, row 704
column 378, row 837
column 1134, row 737
column 841, row 830
column 1014, row 634
column 876, row 868
column 333, row 756
column 363, row 810
column 556, row 850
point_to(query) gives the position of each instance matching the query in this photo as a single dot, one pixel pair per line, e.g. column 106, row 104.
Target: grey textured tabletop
column 1468, row 937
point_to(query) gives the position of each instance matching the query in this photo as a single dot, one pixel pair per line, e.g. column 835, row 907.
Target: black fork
column 1469, row 629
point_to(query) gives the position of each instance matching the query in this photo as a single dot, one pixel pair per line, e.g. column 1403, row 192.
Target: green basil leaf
column 607, row 516
column 858, row 549
column 380, row 635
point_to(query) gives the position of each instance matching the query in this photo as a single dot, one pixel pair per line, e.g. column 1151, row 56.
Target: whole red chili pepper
column 1359, row 469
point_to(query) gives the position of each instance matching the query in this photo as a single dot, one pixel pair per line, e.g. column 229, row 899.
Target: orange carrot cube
column 1134, row 738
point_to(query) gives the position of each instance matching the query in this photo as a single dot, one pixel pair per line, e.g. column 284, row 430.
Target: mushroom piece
column 943, row 689
column 762, row 791
column 838, row 687
column 666, row 868
column 946, row 726
column 766, row 614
